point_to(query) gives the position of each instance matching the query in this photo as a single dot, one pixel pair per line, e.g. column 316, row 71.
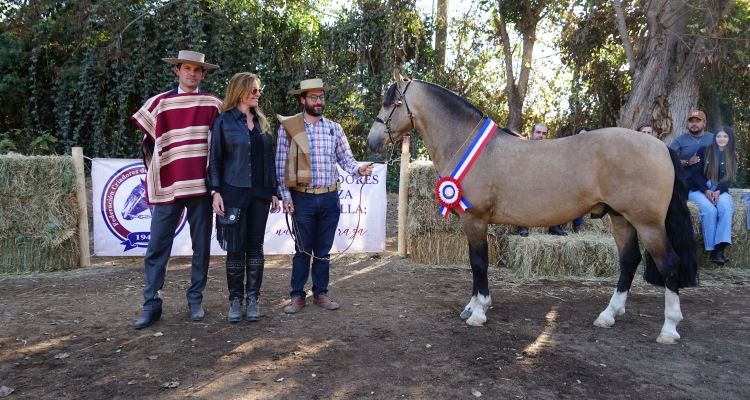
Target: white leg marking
column 469, row 309
column 478, row 316
column 672, row 317
column 615, row 308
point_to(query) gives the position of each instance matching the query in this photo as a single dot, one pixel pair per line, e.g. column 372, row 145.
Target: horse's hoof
column 465, row 314
column 474, row 321
column 602, row 322
column 665, row 338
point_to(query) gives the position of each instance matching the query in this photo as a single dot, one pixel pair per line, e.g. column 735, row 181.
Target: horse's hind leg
column 476, row 233
column 668, row 263
column 626, row 239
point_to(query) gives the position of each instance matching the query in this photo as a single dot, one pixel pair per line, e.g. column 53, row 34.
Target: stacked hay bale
column 432, row 239
column 739, row 251
column 435, row 240
column 38, row 214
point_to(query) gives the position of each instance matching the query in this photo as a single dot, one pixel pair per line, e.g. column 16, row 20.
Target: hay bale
column 588, row 254
column 38, row 214
column 446, row 248
column 739, row 251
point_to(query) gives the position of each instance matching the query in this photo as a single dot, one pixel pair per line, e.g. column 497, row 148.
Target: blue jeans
column 578, row 221
column 716, row 220
column 163, row 225
column 317, row 217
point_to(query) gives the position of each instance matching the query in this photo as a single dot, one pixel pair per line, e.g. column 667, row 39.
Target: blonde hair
column 239, row 85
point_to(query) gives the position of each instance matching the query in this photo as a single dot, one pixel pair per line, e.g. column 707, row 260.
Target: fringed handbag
column 230, row 232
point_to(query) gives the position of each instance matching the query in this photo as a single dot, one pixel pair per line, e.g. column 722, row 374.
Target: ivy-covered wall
column 72, row 73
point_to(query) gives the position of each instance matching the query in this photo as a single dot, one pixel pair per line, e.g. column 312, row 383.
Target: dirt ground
column 397, row 335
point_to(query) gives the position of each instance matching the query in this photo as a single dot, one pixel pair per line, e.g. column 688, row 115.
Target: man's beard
column 310, row 110
column 695, row 132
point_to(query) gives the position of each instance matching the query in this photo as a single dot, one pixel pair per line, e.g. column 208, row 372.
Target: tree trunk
column 441, row 36
column 665, row 80
column 516, row 89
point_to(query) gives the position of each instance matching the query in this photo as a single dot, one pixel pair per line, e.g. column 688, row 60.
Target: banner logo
column 125, row 209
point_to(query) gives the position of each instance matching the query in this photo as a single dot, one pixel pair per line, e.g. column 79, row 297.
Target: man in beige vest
column 309, row 147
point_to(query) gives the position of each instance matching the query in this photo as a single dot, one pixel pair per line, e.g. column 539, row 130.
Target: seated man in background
column 539, row 132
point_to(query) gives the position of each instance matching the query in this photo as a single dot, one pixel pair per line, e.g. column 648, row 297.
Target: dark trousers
column 250, row 262
column 163, row 225
column 317, row 216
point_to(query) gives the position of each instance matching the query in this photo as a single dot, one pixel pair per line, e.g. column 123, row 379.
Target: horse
column 634, row 178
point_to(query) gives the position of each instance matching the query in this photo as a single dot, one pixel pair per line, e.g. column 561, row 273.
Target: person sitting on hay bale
column 539, row 132
column 709, row 188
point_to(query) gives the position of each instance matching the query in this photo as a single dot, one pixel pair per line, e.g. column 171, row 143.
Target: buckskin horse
column 634, row 178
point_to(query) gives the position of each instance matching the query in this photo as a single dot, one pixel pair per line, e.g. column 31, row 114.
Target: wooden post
column 403, row 196
column 83, row 219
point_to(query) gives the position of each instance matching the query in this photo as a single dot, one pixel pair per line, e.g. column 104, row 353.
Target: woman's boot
column 254, row 280
column 235, row 283
column 720, row 253
column 717, row 257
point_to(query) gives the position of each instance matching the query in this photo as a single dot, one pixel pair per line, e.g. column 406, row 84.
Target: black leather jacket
column 230, row 156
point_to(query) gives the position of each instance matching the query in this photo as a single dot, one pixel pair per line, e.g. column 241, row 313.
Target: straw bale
column 589, row 254
column 38, row 214
column 448, row 249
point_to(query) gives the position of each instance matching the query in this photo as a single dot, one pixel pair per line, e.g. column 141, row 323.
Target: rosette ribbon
column 448, row 189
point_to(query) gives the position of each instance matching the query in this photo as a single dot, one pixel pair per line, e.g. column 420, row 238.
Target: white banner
column 122, row 217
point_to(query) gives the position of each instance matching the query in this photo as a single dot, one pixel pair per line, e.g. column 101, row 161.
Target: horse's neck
column 446, row 123
column 447, row 141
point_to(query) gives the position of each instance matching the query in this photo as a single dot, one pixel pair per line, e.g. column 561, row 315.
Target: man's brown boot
column 325, row 302
column 295, row 306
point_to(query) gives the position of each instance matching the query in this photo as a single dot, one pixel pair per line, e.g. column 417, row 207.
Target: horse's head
column 395, row 118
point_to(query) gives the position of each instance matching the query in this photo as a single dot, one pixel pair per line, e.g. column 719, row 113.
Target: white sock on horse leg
column 672, row 317
column 478, row 315
column 615, row 308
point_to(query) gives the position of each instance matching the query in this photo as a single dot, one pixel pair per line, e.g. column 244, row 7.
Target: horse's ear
column 398, row 78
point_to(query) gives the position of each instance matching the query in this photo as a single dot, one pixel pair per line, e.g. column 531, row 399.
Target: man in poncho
column 176, row 128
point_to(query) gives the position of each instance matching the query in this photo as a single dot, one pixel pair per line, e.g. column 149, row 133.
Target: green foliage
column 591, row 47
column 74, row 72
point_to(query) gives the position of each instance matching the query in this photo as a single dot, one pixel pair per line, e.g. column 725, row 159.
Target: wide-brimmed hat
column 697, row 114
column 192, row 57
column 311, row 84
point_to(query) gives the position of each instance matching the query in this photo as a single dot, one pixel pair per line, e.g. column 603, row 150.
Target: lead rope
column 294, row 228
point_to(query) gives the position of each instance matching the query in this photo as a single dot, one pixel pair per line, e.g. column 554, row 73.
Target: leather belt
column 328, row 189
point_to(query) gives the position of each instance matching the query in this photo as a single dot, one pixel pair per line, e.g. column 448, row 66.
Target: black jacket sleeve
column 216, row 157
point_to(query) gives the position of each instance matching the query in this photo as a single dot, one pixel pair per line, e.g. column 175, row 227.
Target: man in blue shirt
column 687, row 144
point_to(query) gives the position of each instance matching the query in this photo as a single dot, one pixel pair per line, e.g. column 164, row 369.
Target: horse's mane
column 391, row 96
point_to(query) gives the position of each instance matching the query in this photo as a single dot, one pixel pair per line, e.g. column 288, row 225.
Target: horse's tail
column 680, row 233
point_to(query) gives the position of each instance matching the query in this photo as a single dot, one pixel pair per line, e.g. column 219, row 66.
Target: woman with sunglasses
column 709, row 185
column 243, row 183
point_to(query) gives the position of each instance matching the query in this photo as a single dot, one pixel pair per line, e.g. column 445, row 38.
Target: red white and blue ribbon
column 448, row 189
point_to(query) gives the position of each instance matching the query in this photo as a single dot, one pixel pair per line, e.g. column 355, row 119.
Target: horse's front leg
column 476, row 233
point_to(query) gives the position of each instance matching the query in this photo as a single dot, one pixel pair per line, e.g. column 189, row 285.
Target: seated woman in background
column 709, row 185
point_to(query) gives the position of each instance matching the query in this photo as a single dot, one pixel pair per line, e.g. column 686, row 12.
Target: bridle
column 401, row 100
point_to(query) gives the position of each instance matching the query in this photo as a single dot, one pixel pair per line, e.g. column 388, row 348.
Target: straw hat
column 192, row 57
column 311, row 84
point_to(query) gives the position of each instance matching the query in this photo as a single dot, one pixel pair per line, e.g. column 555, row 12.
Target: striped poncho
column 178, row 126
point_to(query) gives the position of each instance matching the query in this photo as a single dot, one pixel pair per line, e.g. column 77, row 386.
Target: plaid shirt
column 328, row 147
